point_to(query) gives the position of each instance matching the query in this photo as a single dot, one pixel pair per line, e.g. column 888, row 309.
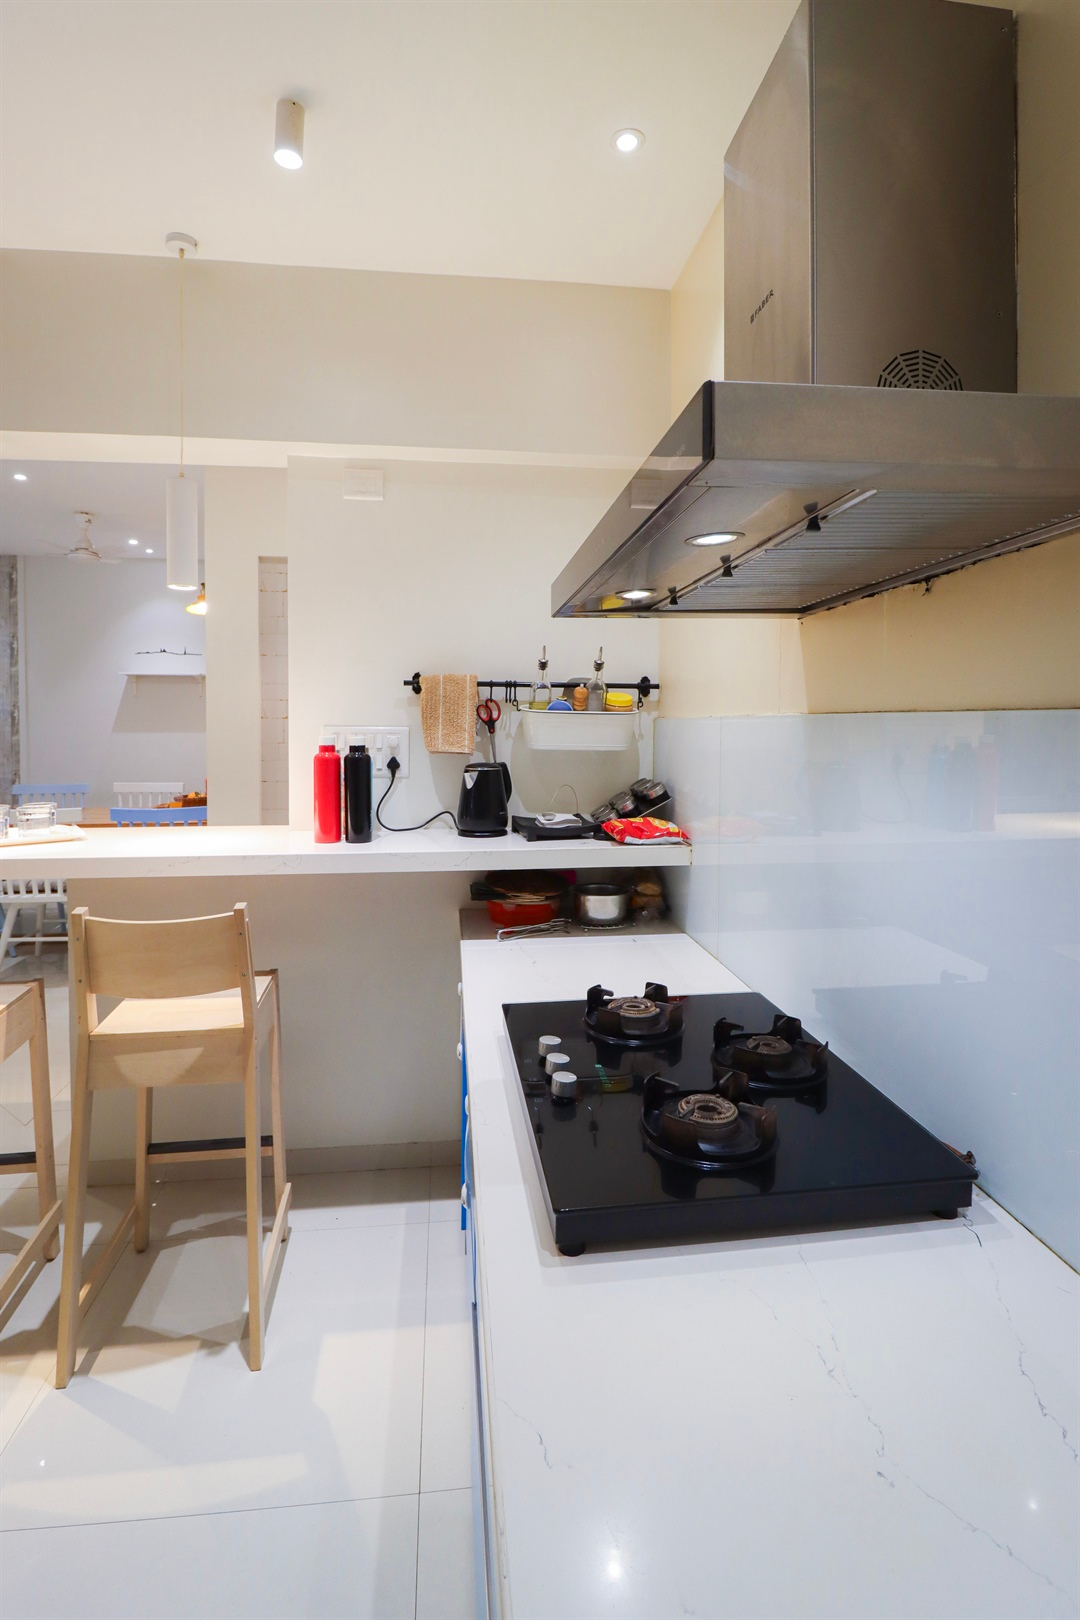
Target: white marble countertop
column 857, row 1424
column 270, row 851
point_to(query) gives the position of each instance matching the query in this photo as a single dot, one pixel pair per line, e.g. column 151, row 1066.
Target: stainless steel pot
column 602, row 905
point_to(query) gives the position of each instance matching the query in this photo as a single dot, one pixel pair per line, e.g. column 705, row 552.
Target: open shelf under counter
column 158, row 852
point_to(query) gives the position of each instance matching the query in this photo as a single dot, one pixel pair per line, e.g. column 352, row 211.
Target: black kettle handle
column 504, row 767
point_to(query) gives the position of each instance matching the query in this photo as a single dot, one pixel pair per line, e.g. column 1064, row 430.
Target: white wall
column 332, row 356
column 451, row 572
column 82, row 720
column 243, row 519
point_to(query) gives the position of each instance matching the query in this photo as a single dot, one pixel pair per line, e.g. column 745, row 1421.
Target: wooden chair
column 173, row 1027
column 22, row 1022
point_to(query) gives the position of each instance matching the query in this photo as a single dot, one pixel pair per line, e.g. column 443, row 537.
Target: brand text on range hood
column 869, row 436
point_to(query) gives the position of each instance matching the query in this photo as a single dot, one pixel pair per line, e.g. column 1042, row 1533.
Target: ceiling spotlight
column 149, row 551
column 289, row 134
column 20, row 478
column 627, row 140
column 725, row 539
column 636, row 596
column 133, row 542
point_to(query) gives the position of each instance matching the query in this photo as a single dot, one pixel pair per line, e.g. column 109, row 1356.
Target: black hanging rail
column 509, row 689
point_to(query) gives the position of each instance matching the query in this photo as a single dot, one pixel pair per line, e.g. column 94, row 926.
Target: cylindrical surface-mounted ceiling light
column 182, row 534
column 289, row 134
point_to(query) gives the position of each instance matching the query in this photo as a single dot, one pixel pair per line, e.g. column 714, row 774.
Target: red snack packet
column 645, row 830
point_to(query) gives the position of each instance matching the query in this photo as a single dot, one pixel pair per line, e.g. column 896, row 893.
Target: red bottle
column 327, row 793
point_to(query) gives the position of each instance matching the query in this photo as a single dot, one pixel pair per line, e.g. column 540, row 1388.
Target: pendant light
column 199, row 604
column 182, row 493
column 289, row 134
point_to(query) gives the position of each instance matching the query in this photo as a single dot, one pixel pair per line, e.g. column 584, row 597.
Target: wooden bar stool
column 174, row 1026
column 22, row 1022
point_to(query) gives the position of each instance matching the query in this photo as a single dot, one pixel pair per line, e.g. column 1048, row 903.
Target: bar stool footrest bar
column 207, row 1147
column 17, row 1161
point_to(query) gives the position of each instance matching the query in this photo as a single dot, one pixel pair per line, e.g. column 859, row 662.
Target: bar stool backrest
column 190, row 956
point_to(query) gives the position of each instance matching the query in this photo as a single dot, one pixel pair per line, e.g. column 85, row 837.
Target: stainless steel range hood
column 810, row 496
column 869, row 292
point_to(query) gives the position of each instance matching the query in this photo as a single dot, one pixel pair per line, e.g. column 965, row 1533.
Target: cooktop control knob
column 548, row 1043
column 555, row 1061
column 563, row 1085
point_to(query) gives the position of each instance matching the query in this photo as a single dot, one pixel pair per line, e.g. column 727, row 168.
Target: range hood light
column 714, row 539
column 636, row 596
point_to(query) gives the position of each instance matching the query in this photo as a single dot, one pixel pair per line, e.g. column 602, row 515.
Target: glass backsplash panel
column 909, row 886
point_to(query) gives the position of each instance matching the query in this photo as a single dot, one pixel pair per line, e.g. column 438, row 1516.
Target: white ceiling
column 39, row 517
column 468, row 137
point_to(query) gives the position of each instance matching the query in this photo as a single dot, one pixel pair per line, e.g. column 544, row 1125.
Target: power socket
column 382, row 743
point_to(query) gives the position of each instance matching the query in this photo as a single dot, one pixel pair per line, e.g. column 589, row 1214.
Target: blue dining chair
column 134, row 816
column 65, row 795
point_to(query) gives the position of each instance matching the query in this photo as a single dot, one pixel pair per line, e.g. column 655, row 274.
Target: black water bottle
column 357, row 795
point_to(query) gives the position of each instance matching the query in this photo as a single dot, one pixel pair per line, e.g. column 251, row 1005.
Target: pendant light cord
column 182, row 256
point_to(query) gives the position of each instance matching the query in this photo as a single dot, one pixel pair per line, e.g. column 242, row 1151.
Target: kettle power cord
column 393, row 765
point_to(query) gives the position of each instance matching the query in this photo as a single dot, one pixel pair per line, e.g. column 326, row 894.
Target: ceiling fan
column 84, row 549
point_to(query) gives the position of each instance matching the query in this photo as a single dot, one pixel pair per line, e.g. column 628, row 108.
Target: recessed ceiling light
column 724, row 539
column 133, row 542
column 20, row 478
column 627, row 140
column 289, row 134
column 149, row 551
column 636, row 596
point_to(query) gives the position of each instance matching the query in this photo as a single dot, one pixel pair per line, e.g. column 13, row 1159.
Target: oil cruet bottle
column 541, row 693
column 596, row 689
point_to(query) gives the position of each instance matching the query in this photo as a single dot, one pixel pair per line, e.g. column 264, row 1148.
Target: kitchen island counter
column 170, row 852
column 876, row 1423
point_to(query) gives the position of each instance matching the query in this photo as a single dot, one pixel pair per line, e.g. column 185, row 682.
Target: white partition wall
column 909, row 885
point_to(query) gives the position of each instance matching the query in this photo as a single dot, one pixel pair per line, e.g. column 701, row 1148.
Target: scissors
column 489, row 713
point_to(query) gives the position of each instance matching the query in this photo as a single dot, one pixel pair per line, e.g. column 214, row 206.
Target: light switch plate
column 382, row 743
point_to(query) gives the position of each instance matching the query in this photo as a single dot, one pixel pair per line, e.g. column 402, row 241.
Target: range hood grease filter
column 872, row 437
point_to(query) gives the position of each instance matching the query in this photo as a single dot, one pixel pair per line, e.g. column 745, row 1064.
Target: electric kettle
column 483, row 805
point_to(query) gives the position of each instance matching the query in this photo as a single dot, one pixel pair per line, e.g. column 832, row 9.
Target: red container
column 328, row 794
column 513, row 913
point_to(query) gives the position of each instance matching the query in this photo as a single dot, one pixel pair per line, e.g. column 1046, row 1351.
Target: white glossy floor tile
column 29, row 1321
column 446, row 1193
column 15, row 1095
column 445, row 1578
column 163, row 1416
column 448, row 1365
column 355, row 1198
column 354, row 1559
column 360, row 1198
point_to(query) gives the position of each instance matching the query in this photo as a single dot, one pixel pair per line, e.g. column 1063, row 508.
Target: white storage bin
column 563, row 729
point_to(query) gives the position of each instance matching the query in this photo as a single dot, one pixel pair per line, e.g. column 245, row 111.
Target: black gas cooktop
column 707, row 1115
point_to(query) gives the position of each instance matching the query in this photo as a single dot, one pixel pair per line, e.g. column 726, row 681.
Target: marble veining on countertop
column 871, row 1423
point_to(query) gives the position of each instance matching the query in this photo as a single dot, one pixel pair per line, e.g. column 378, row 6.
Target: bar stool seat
column 183, row 1035
column 206, row 1032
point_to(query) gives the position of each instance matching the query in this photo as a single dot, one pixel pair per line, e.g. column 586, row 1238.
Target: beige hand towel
column 448, row 713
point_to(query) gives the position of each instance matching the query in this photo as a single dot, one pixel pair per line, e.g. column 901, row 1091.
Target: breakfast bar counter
column 169, row 852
